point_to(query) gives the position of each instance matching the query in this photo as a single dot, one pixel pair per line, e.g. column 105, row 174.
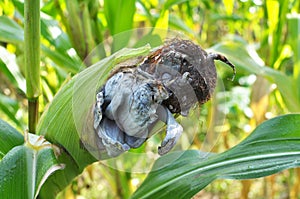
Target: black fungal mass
column 184, row 58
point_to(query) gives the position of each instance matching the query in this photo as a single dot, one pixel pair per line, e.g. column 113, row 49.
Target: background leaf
column 119, row 15
column 10, row 107
column 169, row 3
column 272, row 147
column 10, row 31
column 294, row 40
column 9, row 138
column 9, row 66
column 246, row 59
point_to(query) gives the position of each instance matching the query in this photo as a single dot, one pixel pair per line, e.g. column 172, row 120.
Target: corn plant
column 42, row 165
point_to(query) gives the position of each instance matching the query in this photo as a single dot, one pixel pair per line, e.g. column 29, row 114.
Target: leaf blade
column 10, row 31
column 272, row 147
column 9, row 138
column 24, row 167
column 247, row 59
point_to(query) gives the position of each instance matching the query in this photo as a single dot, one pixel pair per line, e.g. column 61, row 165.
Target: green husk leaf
column 68, row 121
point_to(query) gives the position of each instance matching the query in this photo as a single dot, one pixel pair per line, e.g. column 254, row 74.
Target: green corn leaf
column 162, row 23
column 294, row 40
column 243, row 56
column 13, row 32
column 10, row 31
column 62, row 60
column 246, row 59
column 9, row 66
column 9, row 138
column 229, row 5
column 178, row 23
column 119, row 15
column 170, row 3
column 10, row 107
column 25, row 168
column 272, row 147
column 52, row 32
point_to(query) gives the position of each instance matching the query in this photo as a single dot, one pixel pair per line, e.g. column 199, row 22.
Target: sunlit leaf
column 119, row 15
column 146, row 10
column 10, row 108
column 59, row 42
column 294, row 40
column 272, row 147
column 228, row 4
column 170, row 3
column 276, row 16
column 162, row 23
column 273, row 14
column 10, row 31
column 246, row 59
column 9, row 66
column 9, row 138
column 241, row 54
column 62, row 60
column 179, row 24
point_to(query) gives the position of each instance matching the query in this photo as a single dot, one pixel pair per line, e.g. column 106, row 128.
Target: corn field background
column 260, row 37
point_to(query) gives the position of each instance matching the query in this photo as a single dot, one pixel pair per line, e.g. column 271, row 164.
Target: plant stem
column 32, row 59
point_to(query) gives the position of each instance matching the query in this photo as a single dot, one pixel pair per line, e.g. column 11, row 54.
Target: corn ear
column 68, row 121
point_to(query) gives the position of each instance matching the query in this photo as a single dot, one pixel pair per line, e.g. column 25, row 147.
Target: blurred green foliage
column 260, row 37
